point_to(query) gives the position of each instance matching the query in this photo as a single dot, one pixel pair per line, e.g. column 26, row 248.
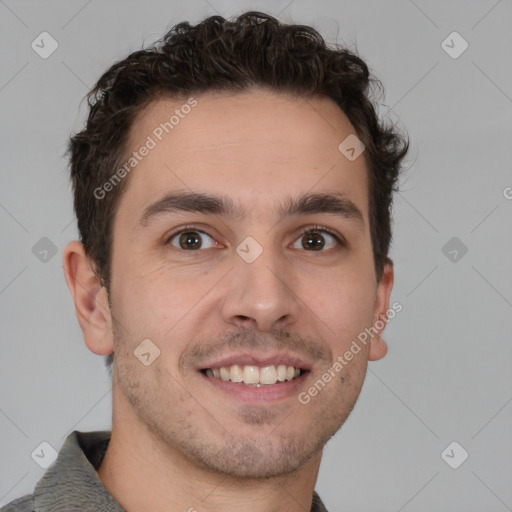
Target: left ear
column 90, row 298
column 378, row 347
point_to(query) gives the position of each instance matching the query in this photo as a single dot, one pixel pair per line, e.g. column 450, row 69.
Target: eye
column 192, row 240
column 317, row 239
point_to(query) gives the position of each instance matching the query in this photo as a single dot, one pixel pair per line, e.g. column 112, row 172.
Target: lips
column 252, row 375
column 252, row 370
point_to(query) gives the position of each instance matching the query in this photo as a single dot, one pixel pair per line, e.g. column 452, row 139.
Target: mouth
column 254, row 375
column 257, row 379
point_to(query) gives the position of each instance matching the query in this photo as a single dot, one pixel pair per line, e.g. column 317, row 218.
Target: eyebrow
column 195, row 202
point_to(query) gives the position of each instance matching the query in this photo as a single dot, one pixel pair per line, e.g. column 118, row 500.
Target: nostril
column 244, row 320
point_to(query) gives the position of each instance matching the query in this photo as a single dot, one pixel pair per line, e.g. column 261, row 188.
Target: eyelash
column 309, row 229
column 315, row 228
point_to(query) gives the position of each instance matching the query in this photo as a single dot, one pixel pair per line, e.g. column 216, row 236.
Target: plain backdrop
column 447, row 377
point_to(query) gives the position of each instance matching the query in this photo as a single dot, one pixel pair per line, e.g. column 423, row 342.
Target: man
column 233, row 188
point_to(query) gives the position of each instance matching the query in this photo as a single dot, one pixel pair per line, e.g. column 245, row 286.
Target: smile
column 252, row 375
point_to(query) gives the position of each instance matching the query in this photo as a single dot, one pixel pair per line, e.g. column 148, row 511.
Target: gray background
column 447, row 376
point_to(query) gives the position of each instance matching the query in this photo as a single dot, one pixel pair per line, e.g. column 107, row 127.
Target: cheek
column 154, row 303
column 344, row 301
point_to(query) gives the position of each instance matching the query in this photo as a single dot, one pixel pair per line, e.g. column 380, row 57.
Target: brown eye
column 192, row 240
column 317, row 240
column 313, row 241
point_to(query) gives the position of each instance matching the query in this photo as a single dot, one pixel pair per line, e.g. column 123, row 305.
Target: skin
column 177, row 441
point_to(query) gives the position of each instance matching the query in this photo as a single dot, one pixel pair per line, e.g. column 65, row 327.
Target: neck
column 144, row 473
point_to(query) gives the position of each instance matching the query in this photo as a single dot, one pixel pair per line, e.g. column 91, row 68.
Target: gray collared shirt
column 72, row 484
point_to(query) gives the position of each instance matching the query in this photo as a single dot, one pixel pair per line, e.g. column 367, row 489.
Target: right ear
column 90, row 298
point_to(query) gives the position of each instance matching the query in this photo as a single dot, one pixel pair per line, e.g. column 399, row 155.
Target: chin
column 261, row 459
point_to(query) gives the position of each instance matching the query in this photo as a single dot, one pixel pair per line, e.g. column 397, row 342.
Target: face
column 242, row 251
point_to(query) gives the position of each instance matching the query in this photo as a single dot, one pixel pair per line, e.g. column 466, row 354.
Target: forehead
column 255, row 146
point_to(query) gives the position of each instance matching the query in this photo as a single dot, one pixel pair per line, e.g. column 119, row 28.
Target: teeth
column 254, row 375
column 224, row 373
column 268, row 375
column 236, row 373
column 251, row 374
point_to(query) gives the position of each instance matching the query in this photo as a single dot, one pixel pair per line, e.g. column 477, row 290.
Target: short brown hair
column 252, row 50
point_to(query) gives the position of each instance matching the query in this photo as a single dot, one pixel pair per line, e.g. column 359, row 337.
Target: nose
column 260, row 294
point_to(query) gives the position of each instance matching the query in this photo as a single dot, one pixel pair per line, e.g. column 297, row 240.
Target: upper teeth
column 250, row 374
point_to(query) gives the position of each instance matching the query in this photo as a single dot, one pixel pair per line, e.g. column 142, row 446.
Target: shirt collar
column 72, row 483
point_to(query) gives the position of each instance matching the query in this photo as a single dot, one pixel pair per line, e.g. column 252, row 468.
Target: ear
column 378, row 347
column 90, row 298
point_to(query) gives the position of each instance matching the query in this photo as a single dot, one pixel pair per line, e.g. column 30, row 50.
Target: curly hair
column 252, row 50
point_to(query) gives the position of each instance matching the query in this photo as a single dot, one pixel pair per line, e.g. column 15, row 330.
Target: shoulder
column 23, row 504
